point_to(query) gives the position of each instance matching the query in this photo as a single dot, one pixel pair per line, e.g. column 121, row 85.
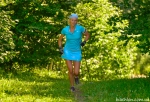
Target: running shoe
column 72, row 89
column 76, row 80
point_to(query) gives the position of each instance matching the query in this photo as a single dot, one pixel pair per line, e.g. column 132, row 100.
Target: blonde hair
column 69, row 21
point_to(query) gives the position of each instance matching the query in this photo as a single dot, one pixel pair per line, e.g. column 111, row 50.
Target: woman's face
column 73, row 21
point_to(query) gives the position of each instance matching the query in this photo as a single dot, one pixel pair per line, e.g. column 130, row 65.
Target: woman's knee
column 76, row 68
column 70, row 72
column 76, row 73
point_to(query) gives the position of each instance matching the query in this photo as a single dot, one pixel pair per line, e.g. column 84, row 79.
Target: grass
column 49, row 86
column 128, row 90
column 38, row 86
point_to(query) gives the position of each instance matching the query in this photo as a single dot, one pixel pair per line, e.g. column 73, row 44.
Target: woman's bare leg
column 76, row 68
column 70, row 73
column 76, row 71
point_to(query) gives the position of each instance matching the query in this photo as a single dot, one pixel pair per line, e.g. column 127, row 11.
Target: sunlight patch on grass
column 36, row 86
column 29, row 98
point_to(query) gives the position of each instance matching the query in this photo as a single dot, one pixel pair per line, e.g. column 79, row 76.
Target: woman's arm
column 87, row 36
column 60, row 40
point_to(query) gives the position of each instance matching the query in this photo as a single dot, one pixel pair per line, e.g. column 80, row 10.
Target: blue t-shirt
column 73, row 39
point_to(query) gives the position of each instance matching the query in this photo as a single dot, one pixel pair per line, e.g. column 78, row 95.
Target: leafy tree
column 7, row 45
column 111, row 49
column 35, row 29
column 107, row 57
column 38, row 24
column 137, row 13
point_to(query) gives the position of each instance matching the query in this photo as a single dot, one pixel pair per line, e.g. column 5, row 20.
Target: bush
column 7, row 46
column 107, row 56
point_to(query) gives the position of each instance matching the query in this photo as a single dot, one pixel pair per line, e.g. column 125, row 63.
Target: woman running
column 72, row 49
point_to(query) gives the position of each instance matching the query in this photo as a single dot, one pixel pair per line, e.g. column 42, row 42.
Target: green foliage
column 35, row 30
column 137, row 13
column 7, row 46
column 111, row 58
column 107, row 56
column 35, row 34
column 142, row 64
column 30, row 29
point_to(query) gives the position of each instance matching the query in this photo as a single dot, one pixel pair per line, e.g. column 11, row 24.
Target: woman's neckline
column 71, row 30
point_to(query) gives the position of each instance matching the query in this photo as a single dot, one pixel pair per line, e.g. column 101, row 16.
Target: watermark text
column 133, row 99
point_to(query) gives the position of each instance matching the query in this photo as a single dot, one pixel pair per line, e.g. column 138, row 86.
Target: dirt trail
column 78, row 94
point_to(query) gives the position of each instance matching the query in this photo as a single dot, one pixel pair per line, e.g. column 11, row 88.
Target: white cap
column 73, row 16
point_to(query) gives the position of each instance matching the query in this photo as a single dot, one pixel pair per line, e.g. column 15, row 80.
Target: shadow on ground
column 117, row 90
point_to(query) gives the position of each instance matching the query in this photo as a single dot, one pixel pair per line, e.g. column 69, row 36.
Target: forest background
column 119, row 46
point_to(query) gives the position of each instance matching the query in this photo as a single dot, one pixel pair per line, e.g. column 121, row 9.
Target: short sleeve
column 83, row 29
column 63, row 31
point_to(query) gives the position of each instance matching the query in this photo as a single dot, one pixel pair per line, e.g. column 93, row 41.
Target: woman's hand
column 83, row 43
column 61, row 50
column 60, row 43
